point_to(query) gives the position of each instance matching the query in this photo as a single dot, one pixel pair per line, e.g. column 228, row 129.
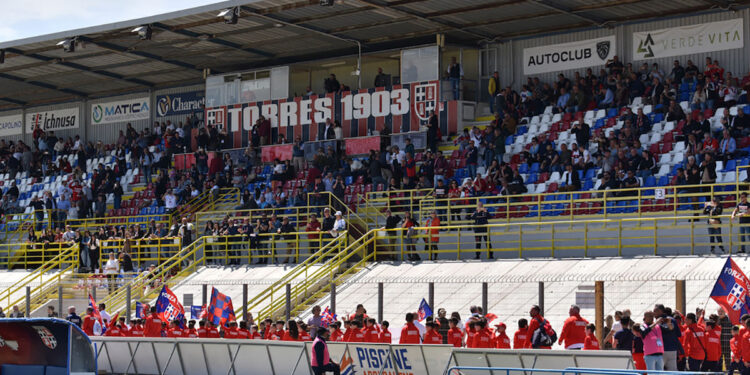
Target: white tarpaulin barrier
column 131, row 355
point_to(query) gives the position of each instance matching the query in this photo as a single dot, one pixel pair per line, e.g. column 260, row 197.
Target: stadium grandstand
column 277, row 167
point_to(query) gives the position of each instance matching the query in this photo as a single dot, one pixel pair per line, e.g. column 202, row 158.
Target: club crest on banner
column 164, row 105
column 602, row 49
column 47, row 337
column 425, row 100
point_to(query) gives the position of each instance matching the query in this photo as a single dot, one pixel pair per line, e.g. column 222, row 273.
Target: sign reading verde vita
column 684, row 40
column 121, row 111
column 575, row 55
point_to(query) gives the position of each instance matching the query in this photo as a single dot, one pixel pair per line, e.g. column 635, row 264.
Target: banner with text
column 684, row 40
column 575, row 55
column 121, row 111
column 53, row 120
column 11, row 125
column 185, row 103
column 404, row 108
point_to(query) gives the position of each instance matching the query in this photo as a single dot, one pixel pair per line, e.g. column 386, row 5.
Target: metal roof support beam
column 14, row 101
column 119, row 49
column 81, row 67
column 593, row 20
column 213, row 40
column 451, row 25
column 43, row 85
column 278, row 19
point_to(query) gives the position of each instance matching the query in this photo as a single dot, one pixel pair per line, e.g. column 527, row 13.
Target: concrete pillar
column 680, row 299
column 244, row 303
column 288, row 301
column 541, row 297
column 380, row 302
column 431, row 297
column 28, row 301
column 333, row 298
column 484, row 298
column 128, row 301
column 205, row 295
column 599, row 310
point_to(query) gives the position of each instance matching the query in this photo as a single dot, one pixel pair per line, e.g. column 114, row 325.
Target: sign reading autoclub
column 691, row 39
column 53, row 120
column 405, row 107
column 574, row 55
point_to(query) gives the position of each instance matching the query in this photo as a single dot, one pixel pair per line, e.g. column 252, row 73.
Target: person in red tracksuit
column 212, row 332
column 174, row 329
column 124, row 330
column 482, row 338
column 254, row 334
column 519, row 338
column 590, row 342
column 190, row 332
column 371, row 332
column 502, row 341
column 431, row 335
column 537, row 321
column 335, row 330
column 232, row 332
column 137, row 329
column 347, row 336
column 202, row 331
column 358, row 333
column 114, row 331
column 410, row 332
column 574, row 329
column 695, row 343
column 153, row 324
column 735, row 344
column 471, row 331
column 713, row 346
column 455, row 336
column 385, row 335
column 88, row 322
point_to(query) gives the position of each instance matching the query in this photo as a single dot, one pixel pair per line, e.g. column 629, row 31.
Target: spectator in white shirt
column 170, row 200
column 339, row 226
column 111, row 269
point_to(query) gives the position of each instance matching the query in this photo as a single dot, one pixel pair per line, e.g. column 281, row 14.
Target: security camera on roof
column 326, row 3
column 230, row 15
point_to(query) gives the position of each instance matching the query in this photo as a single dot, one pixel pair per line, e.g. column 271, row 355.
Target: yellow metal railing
column 47, row 276
column 591, row 237
column 270, row 298
column 377, row 202
column 207, row 201
column 93, row 224
column 143, row 250
column 26, row 255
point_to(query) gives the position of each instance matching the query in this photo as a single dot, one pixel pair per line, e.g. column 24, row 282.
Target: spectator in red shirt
column 174, row 329
column 254, row 334
column 278, row 333
column 88, row 322
column 385, row 335
column 695, row 343
column 735, row 345
column 358, row 333
column 502, row 341
column 482, row 338
column 137, row 329
column 292, row 331
column 371, row 332
column 153, row 324
column 190, row 332
column 409, row 333
column 335, row 330
column 212, row 331
column 537, row 321
column 574, row 329
column 519, row 338
column 713, row 346
column 202, row 331
column 431, row 336
column 455, row 336
column 590, row 342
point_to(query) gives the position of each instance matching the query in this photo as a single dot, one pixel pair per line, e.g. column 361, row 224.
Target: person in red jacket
column 695, row 343
column 304, row 335
column 137, row 329
column 242, row 331
column 89, row 320
column 482, row 338
column 278, row 333
column 590, row 342
column 433, row 234
column 735, row 346
column 254, row 334
column 114, row 331
column 347, row 335
column 431, row 335
column 537, row 321
column 471, row 331
column 358, row 333
column 190, row 332
column 231, row 331
column 574, row 329
column 292, row 331
column 502, row 341
column 202, row 331
column 153, row 324
column 410, row 332
column 212, row 332
column 519, row 338
column 123, row 327
column 385, row 335
column 174, row 329
column 335, row 330
column 713, row 346
column 371, row 332
column 455, row 336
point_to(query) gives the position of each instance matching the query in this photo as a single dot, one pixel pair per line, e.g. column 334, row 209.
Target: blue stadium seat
column 663, row 181
column 523, row 168
column 348, row 180
column 612, row 112
column 509, row 140
column 659, row 117
column 588, row 185
column 649, row 182
column 744, row 161
column 532, row 178
column 590, row 174
column 730, row 167
column 746, row 109
column 599, row 123
column 580, row 174
column 535, row 168
column 658, row 107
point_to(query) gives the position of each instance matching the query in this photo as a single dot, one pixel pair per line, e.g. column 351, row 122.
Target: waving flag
column 731, row 291
column 93, row 305
column 197, row 311
column 220, row 309
column 424, row 310
column 490, row 317
column 168, row 307
column 327, row 317
column 139, row 313
column 112, row 322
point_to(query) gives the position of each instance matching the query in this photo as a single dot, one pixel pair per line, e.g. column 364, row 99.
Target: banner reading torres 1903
column 404, row 107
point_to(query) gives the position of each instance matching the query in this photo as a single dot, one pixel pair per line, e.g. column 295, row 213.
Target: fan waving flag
column 220, row 309
column 424, row 310
column 139, row 311
column 168, row 307
column 93, row 305
column 327, row 317
column 731, row 291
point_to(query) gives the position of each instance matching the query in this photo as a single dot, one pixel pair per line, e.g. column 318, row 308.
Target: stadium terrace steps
column 634, row 283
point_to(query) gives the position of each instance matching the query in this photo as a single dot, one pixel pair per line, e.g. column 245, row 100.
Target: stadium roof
column 111, row 59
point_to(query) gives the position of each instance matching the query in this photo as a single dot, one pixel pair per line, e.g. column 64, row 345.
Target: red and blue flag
column 220, row 309
column 197, row 311
column 139, row 311
column 424, row 310
column 327, row 317
column 93, row 305
column 168, row 307
column 731, row 291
